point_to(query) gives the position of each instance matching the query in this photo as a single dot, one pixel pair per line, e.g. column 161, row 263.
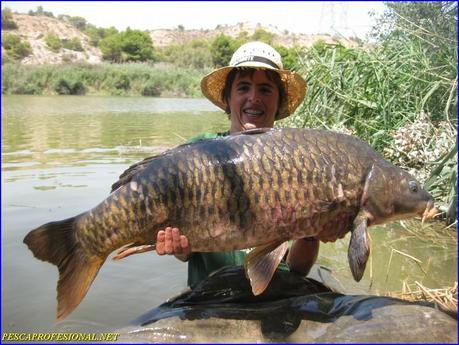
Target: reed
column 130, row 79
column 398, row 95
column 444, row 299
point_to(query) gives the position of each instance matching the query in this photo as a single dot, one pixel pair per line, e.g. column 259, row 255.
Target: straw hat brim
column 294, row 85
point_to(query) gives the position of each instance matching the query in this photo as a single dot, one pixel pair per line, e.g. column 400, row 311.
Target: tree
column 78, row 22
column 290, row 57
column 7, row 20
column 97, row 34
column 222, row 48
column 136, row 45
column 263, row 36
column 130, row 45
column 40, row 12
column 425, row 19
column 111, row 48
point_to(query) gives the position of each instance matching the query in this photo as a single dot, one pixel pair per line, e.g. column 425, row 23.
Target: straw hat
column 257, row 55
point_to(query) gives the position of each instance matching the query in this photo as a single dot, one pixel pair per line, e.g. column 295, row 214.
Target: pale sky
column 333, row 17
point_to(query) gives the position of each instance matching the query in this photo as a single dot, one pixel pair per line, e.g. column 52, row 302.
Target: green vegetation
column 131, row 79
column 195, row 54
column 129, row 45
column 15, row 47
column 40, row 12
column 7, row 20
column 97, row 34
column 263, row 35
column 53, row 42
column 399, row 94
column 72, row 44
column 291, row 57
column 222, row 48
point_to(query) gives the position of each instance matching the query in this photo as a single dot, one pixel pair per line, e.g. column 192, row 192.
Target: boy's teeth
column 253, row 112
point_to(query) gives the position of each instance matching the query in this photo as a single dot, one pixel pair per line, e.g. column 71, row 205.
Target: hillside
column 164, row 37
column 33, row 29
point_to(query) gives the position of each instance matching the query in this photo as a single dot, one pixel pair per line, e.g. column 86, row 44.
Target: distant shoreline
column 104, row 79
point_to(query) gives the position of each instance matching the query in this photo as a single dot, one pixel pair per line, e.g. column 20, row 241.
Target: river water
column 60, row 156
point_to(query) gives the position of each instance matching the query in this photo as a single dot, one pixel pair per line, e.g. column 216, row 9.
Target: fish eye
column 413, row 186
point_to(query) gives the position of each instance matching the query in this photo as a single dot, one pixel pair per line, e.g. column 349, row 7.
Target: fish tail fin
column 54, row 242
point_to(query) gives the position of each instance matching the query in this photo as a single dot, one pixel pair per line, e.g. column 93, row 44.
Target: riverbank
column 105, row 79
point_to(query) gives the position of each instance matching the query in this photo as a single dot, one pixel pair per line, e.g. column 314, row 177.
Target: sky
column 309, row 17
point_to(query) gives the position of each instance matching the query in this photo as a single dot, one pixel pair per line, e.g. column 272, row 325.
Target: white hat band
column 255, row 58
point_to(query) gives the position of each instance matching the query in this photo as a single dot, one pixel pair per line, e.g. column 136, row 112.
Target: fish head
column 410, row 199
column 391, row 193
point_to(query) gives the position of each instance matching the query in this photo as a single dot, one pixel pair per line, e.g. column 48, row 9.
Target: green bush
column 53, row 42
column 97, row 34
column 40, row 12
column 7, row 20
column 122, row 82
column 195, row 54
column 102, row 79
column 69, row 87
column 130, row 45
column 78, row 22
column 111, row 48
column 291, row 57
column 263, row 36
column 222, row 48
column 27, row 89
column 152, row 88
column 72, row 44
column 15, row 47
column 136, row 45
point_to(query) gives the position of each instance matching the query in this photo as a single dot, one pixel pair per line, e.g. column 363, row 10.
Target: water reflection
column 397, row 257
column 60, row 156
column 42, row 128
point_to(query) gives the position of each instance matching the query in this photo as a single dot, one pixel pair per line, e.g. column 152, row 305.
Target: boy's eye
column 243, row 88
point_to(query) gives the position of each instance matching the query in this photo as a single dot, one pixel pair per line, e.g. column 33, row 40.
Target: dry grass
column 434, row 232
column 444, row 299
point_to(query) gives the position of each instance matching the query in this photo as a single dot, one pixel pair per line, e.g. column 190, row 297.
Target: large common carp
column 259, row 188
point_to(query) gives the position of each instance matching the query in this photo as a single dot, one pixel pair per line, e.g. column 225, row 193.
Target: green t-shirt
column 200, row 265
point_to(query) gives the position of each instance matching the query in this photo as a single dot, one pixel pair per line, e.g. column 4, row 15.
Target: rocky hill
column 164, row 37
column 34, row 29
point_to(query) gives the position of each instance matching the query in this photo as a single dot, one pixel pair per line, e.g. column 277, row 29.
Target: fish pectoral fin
column 261, row 263
column 359, row 247
column 134, row 248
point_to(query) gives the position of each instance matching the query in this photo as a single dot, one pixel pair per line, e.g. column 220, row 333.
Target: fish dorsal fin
column 261, row 263
column 136, row 168
column 127, row 175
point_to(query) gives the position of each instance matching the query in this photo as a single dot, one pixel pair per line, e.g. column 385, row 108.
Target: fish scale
column 254, row 189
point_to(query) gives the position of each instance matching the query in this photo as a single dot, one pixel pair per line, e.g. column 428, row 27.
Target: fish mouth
column 430, row 212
